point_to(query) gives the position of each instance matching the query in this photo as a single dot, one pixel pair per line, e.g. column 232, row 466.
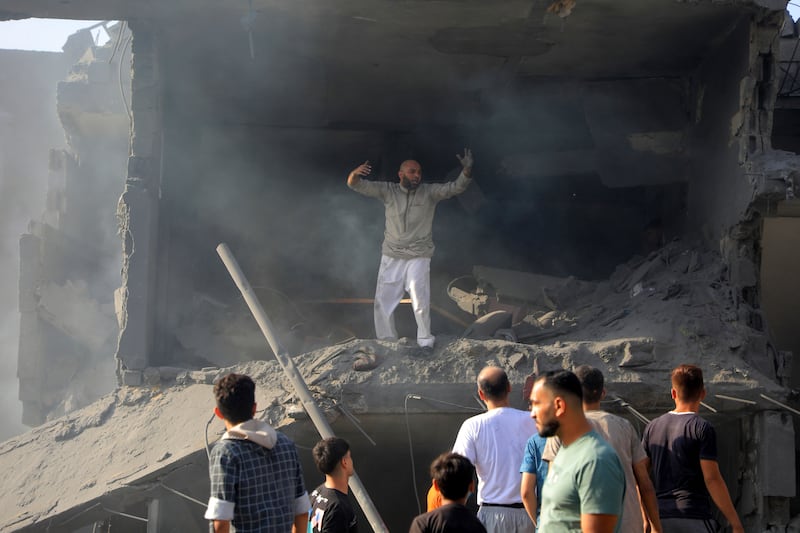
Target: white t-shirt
column 495, row 442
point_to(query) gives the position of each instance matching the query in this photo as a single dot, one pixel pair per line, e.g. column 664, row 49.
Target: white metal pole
column 299, row 384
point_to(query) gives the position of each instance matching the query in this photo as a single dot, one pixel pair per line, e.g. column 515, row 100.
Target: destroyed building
column 633, row 208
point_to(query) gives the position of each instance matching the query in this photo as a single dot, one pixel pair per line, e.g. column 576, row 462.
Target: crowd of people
column 567, row 466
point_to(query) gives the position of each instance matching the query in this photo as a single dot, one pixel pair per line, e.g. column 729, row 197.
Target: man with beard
column 407, row 240
column 585, row 483
column 621, row 435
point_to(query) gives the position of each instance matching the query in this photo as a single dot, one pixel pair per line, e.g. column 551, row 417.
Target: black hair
column 328, row 453
column 453, row 474
column 687, row 380
column 236, row 396
column 592, row 383
column 562, row 383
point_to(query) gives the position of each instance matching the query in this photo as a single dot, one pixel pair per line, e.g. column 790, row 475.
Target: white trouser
column 396, row 276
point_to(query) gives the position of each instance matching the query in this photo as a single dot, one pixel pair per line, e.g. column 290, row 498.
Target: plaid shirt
column 263, row 484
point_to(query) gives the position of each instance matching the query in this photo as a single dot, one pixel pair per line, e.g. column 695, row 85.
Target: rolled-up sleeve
column 223, row 470
column 219, row 509
column 301, row 502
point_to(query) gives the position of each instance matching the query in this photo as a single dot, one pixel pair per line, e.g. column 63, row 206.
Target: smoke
column 28, row 128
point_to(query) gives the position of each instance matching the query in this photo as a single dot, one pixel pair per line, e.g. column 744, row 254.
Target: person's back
column 263, row 475
column 449, row 518
column 682, row 453
column 452, row 476
column 619, row 433
column 256, row 481
column 676, row 442
column 495, row 441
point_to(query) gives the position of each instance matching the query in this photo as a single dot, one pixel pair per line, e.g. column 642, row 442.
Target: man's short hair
column 495, row 387
column 562, row 383
column 236, row 396
column 687, row 380
column 328, row 453
column 592, row 383
column 453, row 474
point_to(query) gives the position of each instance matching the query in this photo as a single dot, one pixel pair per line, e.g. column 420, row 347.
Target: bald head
column 410, row 174
column 493, row 383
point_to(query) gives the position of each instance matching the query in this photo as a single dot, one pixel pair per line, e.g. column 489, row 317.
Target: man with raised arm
column 407, row 240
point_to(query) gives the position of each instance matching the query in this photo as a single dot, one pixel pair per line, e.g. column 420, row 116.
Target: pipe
column 296, row 379
column 735, row 399
column 704, row 404
column 776, row 402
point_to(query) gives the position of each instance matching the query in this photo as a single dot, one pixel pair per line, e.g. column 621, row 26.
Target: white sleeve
column 219, row 509
column 465, row 442
column 302, row 504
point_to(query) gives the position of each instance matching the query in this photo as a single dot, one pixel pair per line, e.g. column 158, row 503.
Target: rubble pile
column 674, row 305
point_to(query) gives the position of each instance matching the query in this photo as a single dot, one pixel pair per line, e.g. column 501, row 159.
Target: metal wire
column 182, row 495
column 208, row 424
column 411, row 451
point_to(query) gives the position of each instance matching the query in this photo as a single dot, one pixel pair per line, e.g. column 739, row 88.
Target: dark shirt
column 450, row 518
column 675, row 443
column 331, row 512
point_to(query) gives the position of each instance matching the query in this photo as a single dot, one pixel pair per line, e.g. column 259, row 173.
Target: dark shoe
column 424, row 351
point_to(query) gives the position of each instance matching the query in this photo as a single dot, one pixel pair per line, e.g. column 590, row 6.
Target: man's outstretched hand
column 361, row 170
column 466, row 161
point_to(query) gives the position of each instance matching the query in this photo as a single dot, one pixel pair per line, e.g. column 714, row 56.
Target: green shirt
column 586, row 477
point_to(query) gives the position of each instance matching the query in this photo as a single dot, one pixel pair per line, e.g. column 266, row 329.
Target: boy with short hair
column 453, row 476
column 331, row 510
column 256, row 477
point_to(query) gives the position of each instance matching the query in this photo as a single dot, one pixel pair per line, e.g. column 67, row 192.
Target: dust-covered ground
column 655, row 313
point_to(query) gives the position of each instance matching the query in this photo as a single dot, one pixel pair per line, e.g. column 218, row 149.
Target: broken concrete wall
column 138, row 210
column 69, row 256
column 719, row 192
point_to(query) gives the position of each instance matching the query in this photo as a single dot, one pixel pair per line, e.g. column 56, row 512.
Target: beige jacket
column 409, row 213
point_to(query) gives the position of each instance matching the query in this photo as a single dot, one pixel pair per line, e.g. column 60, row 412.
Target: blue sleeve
column 531, row 459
